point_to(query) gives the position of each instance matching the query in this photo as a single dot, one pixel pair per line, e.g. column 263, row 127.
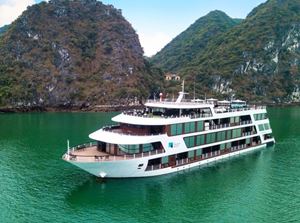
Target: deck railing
column 143, row 114
column 106, row 157
column 113, row 128
column 180, row 162
column 212, row 127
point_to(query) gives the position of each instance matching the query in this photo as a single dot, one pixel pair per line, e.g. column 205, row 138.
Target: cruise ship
column 169, row 136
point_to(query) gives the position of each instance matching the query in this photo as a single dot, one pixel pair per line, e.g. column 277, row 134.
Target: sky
column 157, row 22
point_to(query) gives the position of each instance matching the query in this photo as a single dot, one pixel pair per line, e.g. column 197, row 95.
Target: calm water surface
column 37, row 186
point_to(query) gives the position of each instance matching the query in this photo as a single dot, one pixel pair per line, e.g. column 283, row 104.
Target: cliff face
column 71, row 53
column 259, row 59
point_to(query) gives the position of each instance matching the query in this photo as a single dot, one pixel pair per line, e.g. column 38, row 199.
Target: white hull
column 129, row 168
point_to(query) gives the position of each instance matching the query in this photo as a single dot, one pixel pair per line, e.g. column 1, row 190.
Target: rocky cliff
column 72, row 53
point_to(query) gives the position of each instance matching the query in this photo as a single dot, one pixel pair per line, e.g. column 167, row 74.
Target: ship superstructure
column 169, row 136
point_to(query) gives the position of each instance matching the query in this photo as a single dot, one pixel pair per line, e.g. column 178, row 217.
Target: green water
column 37, row 186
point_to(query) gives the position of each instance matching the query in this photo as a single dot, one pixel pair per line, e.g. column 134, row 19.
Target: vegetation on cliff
column 191, row 43
column 72, row 53
column 259, row 59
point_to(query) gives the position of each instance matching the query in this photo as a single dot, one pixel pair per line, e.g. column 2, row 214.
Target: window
column 221, row 136
column 176, row 129
column 147, row 147
column 210, row 138
column 200, row 140
column 267, row 126
column 131, row 149
column 173, row 130
column 239, row 132
column 192, row 141
column 229, row 134
column 261, row 127
column 234, row 133
column 187, row 128
column 200, row 126
column 218, row 136
column 179, row 129
column 192, row 126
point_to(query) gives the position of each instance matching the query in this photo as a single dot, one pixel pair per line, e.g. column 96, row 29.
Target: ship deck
column 92, row 154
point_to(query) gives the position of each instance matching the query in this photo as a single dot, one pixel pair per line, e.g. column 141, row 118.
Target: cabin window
column 176, row 129
column 221, row 136
column 200, row 126
column 131, row 149
column 147, row 147
column 267, row 126
column 173, row 130
column 187, row 128
column 200, row 140
column 192, row 127
column 179, row 129
column 261, row 127
column 229, row 134
column 211, row 138
column 189, row 141
column 192, row 141
column 236, row 133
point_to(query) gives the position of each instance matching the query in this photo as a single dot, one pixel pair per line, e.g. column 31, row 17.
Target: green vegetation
column 191, row 43
column 256, row 60
column 73, row 53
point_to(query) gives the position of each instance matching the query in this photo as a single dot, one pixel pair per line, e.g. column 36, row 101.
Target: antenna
column 183, row 86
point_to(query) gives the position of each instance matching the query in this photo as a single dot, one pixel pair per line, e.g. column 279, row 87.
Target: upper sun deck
column 165, row 112
column 170, row 112
column 177, row 105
